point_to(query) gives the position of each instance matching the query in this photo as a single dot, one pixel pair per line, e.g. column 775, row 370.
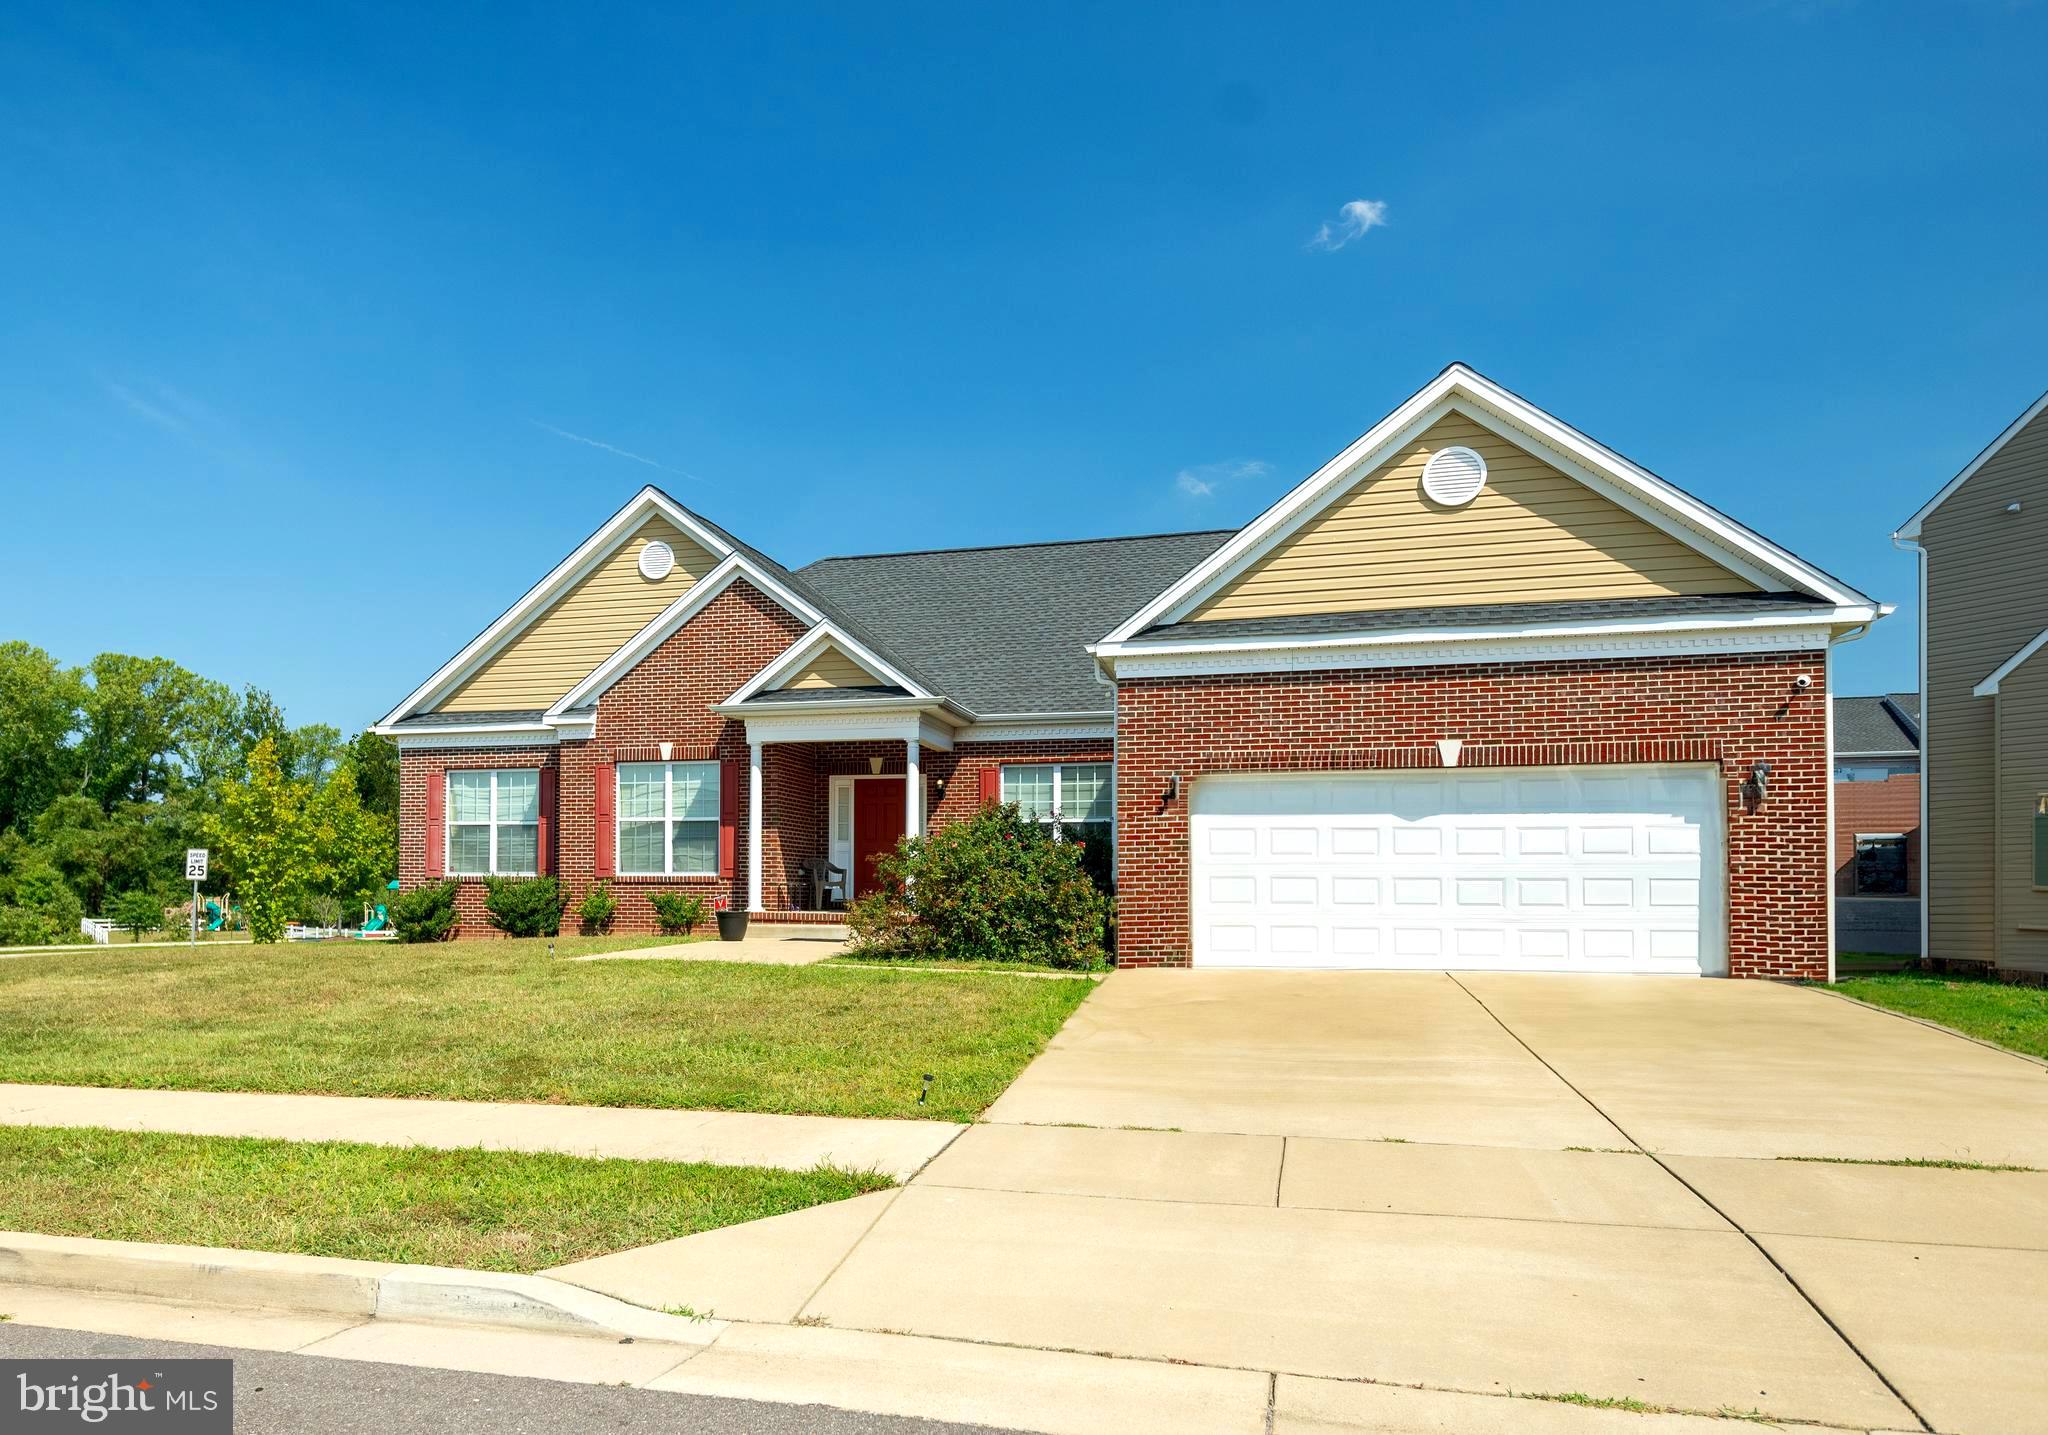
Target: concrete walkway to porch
column 785, row 944
column 732, row 1138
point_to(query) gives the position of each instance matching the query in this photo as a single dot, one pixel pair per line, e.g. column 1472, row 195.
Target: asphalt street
column 312, row 1395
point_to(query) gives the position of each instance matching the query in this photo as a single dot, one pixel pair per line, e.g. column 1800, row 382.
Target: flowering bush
column 993, row 888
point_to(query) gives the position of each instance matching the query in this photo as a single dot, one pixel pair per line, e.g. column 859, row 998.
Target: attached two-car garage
column 1586, row 869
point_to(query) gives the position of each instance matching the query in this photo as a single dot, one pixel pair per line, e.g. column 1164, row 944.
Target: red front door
column 877, row 826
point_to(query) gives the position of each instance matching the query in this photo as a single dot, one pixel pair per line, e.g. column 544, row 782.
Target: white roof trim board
column 1467, row 392
column 564, row 576
column 826, row 634
column 1989, row 687
column 1910, row 530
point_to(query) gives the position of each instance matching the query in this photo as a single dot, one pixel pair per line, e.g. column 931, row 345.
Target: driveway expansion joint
column 1747, row 1235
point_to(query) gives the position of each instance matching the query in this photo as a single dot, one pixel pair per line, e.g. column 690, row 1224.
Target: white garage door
column 1607, row 869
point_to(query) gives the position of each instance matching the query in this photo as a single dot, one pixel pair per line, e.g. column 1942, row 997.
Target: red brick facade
column 1892, row 805
column 667, row 697
column 1733, row 710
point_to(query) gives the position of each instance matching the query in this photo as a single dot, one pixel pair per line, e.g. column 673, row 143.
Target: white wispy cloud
column 157, row 414
column 1352, row 221
column 611, row 448
column 1203, row 479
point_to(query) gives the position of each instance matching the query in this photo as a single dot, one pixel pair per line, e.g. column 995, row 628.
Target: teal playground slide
column 215, row 917
column 379, row 919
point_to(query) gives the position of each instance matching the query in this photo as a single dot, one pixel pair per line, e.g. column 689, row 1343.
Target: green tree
column 265, row 835
column 135, row 719
column 372, row 760
column 355, row 851
column 135, row 845
column 39, row 709
column 142, row 911
column 36, row 904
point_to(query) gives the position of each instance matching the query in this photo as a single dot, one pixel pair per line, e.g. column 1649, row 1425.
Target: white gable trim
column 564, row 576
column 666, row 623
column 1458, row 388
column 826, row 635
column 1989, row 687
column 1911, row 528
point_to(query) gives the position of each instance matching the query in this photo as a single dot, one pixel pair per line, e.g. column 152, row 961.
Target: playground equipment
column 377, row 920
column 215, row 917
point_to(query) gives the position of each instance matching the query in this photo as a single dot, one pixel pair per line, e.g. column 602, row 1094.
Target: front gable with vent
column 1526, row 534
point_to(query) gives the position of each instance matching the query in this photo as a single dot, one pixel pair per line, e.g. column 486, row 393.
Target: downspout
column 1848, row 635
column 1913, row 545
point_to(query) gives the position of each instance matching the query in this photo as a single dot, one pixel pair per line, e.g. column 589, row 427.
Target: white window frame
column 1056, row 818
column 1856, row 841
column 449, row 824
column 668, row 817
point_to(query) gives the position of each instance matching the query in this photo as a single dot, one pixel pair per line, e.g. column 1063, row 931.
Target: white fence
column 101, row 932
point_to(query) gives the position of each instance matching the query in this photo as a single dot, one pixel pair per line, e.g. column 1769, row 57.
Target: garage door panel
column 1615, row 869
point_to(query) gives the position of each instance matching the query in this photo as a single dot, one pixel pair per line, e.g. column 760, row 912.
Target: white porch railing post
column 754, row 862
column 913, row 792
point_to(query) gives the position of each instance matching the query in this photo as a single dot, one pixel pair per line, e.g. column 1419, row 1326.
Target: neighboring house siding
column 2022, row 779
column 1532, row 534
column 1987, row 596
column 1873, row 807
column 584, row 626
column 1732, row 709
column 833, row 669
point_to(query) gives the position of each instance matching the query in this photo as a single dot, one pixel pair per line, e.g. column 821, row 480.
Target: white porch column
column 913, row 792
column 754, row 862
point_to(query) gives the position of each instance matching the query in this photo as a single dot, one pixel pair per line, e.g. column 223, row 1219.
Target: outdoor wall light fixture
column 1172, row 786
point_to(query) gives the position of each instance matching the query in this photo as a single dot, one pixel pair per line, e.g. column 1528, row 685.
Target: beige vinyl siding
column 2022, row 723
column 584, row 626
column 1986, row 599
column 1532, row 535
column 833, row 669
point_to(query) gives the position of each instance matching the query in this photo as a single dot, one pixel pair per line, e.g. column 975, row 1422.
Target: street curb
column 323, row 1285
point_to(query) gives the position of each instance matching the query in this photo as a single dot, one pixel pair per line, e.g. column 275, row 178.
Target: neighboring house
column 1479, row 692
column 1877, row 824
column 1983, row 545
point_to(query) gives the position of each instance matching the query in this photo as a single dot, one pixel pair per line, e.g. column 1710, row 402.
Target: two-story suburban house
column 1983, row 546
column 1478, row 692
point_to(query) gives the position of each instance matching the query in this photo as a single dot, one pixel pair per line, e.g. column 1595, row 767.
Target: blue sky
column 299, row 305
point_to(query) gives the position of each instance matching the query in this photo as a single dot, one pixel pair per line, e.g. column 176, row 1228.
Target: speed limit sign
column 195, row 864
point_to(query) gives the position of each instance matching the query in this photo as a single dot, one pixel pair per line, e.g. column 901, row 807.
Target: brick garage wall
column 1889, row 806
column 1732, row 709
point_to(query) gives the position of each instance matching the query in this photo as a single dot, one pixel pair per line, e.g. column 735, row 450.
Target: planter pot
column 732, row 926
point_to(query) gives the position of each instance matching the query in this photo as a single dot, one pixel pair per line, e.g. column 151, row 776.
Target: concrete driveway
column 1476, row 1186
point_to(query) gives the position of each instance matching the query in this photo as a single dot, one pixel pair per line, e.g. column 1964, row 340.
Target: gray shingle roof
column 824, row 695
column 1474, row 615
column 1868, row 726
column 464, row 719
column 1005, row 630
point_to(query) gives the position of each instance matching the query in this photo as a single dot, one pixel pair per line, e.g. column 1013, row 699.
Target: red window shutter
column 729, row 819
column 991, row 786
column 606, row 778
column 546, row 861
column 437, row 827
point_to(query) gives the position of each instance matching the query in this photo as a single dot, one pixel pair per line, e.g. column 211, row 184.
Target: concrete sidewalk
column 730, row 1138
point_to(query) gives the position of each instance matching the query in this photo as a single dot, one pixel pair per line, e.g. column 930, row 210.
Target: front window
column 1078, row 799
column 1880, row 865
column 494, row 823
column 668, row 819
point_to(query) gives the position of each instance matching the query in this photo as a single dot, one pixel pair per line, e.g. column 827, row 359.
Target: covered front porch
column 829, row 792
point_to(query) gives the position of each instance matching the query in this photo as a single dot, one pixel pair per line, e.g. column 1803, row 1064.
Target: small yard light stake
column 925, row 1090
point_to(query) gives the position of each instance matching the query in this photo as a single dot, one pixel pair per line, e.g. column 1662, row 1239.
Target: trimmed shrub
column 140, row 912
column 424, row 914
column 678, row 911
column 995, row 888
column 524, row 906
column 597, row 908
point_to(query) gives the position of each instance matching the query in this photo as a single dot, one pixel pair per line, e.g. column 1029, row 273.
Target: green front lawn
column 484, row 1210
column 2011, row 1016
column 500, row 1021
